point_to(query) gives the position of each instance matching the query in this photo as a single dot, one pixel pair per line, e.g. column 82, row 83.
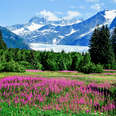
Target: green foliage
column 15, row 60
column 26, row 64
column 107, row 66
column 51, row 65
column 76, row 59
column 110, row 66
column 86, row 59
column 114, row 66
column 11, row 66
column 39, row 66
column 2, row 67
column 64, row 61
column 91, row 68
column 28, row 59
column 100, row 46
column 13, row 110
column 99, row 68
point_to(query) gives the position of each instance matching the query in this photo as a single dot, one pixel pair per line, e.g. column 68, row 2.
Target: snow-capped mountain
column 12, row 40
column 63, row 32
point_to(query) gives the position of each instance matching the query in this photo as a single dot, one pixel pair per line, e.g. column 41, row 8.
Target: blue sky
column 20, row 11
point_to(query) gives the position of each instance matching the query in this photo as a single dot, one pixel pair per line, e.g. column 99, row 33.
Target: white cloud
column 48, row 14
column 72, row 14
column 97, row 7
column 53, row 16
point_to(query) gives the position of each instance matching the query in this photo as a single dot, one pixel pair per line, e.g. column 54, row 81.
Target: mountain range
column 12, row 40
column 61, row 32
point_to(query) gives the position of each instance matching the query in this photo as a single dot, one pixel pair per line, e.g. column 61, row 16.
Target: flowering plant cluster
column 109, row 70
column 109, row 73
column 56, row 94
column 30, row 70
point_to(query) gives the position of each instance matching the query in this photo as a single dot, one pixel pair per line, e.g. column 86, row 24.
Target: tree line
column 102, row 54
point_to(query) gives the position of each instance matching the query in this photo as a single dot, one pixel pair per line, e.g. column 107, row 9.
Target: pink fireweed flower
column 57, row 107
column 109, row 73
column 40, row 98
column 29, row 96
column 67, row 94
column 34, row 70
column 82, row 101
column 108, row 107
column 16, row 101
column 87, row 111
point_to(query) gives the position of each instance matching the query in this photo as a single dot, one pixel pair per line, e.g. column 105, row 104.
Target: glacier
column 58, row 48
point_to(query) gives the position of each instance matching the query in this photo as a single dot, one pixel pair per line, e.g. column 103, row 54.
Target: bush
column 91, row 68
column 39, row 66
column 107, row 66
column 110, row 66
column 11, row 66
column 26, row 64
column 99, row 68
column 2, row 66
column 114, row 66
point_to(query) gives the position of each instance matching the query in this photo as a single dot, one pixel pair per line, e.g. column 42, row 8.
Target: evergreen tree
column 2, row 43
column 8, row 55
column 100, row 46
column 113, row 40
column 93, row 46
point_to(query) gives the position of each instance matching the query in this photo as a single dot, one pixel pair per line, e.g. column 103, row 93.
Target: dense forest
column 102, row 54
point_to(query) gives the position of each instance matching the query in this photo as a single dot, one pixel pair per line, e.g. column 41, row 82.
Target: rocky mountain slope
column 12, row 40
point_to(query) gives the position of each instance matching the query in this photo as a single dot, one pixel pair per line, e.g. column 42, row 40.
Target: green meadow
column 100, row 77
column 26, row 110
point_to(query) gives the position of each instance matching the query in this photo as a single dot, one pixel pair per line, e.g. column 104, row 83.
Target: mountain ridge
column 39, row 30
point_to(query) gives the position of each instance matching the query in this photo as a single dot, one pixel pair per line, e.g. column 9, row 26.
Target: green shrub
column 99, row 68
column 110, row 66
column 51, row 65
column 26, row 64
column 11, row 66
column 91, row 68
column 39, row 66
column 114, row 66
column 2, row 66
column 107, row 66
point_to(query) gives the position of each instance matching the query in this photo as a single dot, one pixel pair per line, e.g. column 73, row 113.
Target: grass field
column 48, row 76
column 69, row 75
